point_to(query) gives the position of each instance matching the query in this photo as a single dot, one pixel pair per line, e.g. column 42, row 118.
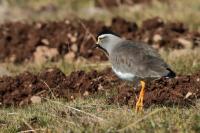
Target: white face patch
column 122, row 75
column 102, row 36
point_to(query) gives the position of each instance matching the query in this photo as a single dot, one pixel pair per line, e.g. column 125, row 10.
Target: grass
column 97, row 116
column 64, row 66
column 186, row 61
column 94, row 114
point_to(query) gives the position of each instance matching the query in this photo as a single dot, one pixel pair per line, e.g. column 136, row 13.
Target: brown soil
column 182, row 90
column 158, row 33
column 52, row 83
column 49, row 40
column 27, row 88
column 19, row 41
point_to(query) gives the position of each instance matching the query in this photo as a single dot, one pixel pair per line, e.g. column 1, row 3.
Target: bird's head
column 107, row 42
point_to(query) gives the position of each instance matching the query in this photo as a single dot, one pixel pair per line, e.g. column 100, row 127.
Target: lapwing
column 134, row 61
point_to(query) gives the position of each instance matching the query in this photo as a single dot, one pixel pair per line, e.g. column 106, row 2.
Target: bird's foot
column 139, row 104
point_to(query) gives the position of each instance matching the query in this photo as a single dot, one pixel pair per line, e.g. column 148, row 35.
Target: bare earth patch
column 182, row 90
column 72, row 39
column 28, row 88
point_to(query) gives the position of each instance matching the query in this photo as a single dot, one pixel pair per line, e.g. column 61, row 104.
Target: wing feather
column 138, row 59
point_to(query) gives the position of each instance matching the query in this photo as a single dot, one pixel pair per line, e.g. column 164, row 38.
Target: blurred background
column 132, row 10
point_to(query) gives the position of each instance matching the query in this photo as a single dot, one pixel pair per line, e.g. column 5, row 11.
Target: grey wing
column 147, row 49
column 142, row 61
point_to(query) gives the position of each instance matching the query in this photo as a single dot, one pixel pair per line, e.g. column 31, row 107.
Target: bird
column 133, row 61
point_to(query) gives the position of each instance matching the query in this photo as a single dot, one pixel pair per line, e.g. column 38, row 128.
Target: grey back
column 139, row 59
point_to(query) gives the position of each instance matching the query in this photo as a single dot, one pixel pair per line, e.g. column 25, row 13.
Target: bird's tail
column 171, row 73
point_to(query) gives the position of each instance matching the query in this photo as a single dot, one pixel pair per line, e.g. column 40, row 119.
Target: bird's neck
column 112, row 45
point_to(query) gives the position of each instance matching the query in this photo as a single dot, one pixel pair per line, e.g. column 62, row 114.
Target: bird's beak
column 97, row 44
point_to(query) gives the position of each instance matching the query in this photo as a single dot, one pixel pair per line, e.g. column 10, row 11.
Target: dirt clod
column 36, row 99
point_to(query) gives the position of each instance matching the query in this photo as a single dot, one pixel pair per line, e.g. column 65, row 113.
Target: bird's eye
column 101, row 38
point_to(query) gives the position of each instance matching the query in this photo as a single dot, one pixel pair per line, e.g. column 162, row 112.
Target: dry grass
column 95, row 115
column 186, row 61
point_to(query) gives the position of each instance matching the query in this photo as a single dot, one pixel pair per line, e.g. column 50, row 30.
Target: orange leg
column 139, row 104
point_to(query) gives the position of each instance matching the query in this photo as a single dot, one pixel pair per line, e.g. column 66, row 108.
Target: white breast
column 123, row 75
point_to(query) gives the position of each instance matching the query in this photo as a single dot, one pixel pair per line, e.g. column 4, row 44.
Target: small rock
column 69, row 35
column 30, row 85
column 188, row 95
column 185, row 43
column 24, row 102
column 156, row 46
column 45, row 41
column 38, row 25
column 74, row 47
column 146, row 39
column 100, row 87
column 67, row 22
column 86, row 93
column 43, row 54
column 69, row 57
column 36, row 99
column 73, row 39
column 72, row 97
column 157, row 38
column 12, row 58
